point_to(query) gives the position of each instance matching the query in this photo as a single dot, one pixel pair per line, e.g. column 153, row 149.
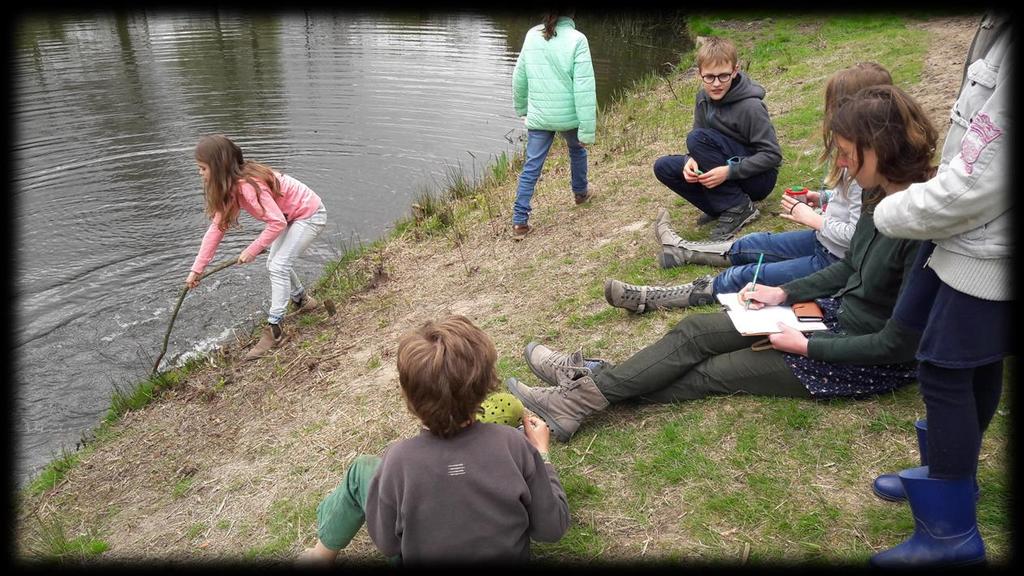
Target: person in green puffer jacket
column 553, row 87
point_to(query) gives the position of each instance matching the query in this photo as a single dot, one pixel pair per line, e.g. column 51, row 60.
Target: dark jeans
column 702, row 356
column 961, row 369
column 711, row 148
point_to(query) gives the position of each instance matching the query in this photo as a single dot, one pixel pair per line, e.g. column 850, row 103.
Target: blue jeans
column 711, row 149
column 538, row 144
column 787, row 256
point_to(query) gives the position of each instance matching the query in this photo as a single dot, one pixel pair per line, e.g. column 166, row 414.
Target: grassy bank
column 232, row 460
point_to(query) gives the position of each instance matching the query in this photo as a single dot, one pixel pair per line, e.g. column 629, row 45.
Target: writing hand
column 761, row 296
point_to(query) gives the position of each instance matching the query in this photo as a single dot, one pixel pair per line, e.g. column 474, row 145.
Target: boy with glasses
column 733, row 155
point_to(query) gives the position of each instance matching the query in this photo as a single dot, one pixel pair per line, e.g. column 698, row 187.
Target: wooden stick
column 181, row 299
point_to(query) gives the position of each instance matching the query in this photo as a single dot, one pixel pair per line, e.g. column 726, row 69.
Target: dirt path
column 239, row 455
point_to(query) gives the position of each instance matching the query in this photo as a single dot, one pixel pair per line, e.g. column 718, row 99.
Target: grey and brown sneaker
column 268, row 341
column 545, row 362
column 583, row 198
column 686, row 252
column 564, row 406
column 730, row 221
column 640, row 299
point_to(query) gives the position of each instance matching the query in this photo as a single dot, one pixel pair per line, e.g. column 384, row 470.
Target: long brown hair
column 446, row 369
column 840, row 87
column 551, row 19
column 890, row 122
column 227, row 168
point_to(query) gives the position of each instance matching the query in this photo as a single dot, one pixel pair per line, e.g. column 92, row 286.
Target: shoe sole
column 666, row 260
column 512, row 385
column 526, row 356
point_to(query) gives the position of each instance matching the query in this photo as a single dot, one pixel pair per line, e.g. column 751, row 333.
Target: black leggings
column 960, row 404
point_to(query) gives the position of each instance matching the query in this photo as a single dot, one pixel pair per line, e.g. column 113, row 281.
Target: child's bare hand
column 537, row 431
column 714, row 177
column 245, row 258
column 192, row 281
column 691, row 171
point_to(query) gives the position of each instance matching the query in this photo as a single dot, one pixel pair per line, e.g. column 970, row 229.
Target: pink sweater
column 297, row 201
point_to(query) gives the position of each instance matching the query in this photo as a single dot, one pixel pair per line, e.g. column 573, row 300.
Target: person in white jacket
column 960, row 296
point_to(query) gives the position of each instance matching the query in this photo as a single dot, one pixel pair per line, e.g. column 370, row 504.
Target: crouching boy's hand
column 537, row 432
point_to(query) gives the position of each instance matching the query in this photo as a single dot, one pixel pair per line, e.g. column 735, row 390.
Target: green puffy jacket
column 553, row 81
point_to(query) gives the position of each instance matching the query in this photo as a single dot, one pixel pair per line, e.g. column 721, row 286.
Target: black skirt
column 959, row 330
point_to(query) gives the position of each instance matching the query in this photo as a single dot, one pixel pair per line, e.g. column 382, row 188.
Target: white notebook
column 764, row 320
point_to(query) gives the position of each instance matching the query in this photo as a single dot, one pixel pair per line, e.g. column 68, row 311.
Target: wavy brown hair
column 446, row 369
column 551, row 19
column 227, row 169
column 841, row 86
column 890, row 122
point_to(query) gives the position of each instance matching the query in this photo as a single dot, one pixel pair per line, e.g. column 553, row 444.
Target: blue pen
column 753, row 285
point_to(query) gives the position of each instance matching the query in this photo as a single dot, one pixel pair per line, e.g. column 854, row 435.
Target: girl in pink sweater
column 294, row 214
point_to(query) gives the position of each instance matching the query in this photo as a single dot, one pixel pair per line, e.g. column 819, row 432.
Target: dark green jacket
column 869, row 279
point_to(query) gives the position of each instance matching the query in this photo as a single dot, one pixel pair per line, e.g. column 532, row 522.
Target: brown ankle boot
column 562, row 407
column 307, row 304
column 267, row 343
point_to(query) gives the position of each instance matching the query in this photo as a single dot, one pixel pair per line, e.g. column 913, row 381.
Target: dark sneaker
column 519, row 231
column 705, row 219
column 584, row 198
column 730, row 221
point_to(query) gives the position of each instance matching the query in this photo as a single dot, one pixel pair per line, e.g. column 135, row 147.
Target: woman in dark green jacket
column 863, row 352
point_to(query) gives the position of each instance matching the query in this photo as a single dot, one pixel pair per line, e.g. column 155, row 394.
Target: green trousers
column 702, row 356
column 342, row 513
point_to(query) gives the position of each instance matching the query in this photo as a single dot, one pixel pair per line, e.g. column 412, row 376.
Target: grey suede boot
column 687, row 252
column 562, row 407
column 640, row 299
column 544, row 362
column 663, row 229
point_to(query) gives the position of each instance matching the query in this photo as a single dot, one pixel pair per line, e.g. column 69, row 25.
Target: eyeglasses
column 722, row 78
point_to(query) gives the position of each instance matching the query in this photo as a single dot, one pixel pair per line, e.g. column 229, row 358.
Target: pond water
column 368, row 109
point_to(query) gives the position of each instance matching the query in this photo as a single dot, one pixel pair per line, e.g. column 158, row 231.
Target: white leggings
column 284, row 283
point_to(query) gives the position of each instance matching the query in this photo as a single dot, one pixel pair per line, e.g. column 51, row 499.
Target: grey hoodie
column 742, row 116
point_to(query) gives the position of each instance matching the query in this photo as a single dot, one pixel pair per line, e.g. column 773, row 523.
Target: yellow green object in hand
column 501, row 408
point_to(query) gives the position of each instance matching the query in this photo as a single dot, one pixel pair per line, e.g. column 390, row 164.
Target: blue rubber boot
column 888, row 486
column 945, row 524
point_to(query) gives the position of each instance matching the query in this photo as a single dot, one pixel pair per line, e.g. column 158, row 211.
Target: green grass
column 288, row 521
